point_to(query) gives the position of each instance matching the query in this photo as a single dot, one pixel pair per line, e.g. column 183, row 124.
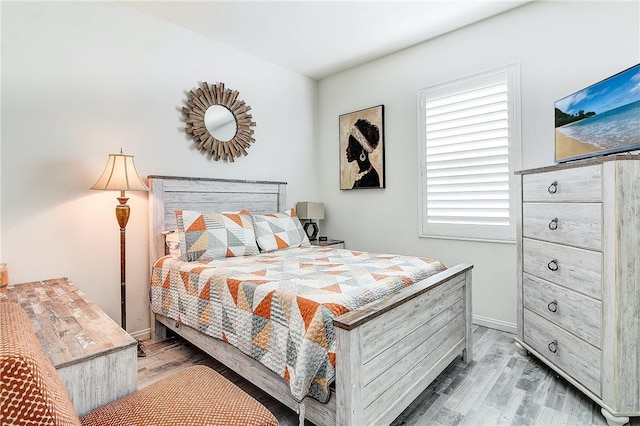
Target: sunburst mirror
column 218, row 122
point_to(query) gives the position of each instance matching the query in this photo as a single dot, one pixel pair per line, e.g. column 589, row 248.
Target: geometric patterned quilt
column 278, row 307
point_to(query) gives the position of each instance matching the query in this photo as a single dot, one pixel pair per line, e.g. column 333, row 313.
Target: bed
column 386, row 353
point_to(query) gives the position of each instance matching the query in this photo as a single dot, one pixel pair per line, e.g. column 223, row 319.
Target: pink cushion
column 193, row 396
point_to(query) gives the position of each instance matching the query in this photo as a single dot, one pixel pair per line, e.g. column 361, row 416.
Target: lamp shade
column 310, row 210
column 120, row 174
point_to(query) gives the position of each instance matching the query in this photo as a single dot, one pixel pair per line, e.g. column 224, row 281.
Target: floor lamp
column 120, row 175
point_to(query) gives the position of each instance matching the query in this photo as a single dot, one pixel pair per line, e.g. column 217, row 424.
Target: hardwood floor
column 499, row 387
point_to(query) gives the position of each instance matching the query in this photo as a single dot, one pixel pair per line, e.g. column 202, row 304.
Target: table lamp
column 310, row 211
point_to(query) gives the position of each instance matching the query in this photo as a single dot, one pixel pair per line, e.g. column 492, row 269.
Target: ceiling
column 320, row 38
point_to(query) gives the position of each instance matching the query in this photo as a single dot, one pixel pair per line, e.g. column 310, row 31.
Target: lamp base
column 311, row 228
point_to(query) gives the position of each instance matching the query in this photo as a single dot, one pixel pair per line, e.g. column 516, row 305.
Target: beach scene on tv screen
column 602, row 118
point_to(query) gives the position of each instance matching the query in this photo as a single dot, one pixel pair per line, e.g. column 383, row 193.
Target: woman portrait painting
column 361, row 149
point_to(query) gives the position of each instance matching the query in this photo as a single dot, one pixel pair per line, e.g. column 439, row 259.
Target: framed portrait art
column 362, row 149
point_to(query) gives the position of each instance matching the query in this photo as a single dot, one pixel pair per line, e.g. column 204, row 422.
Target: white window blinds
column 467, row 140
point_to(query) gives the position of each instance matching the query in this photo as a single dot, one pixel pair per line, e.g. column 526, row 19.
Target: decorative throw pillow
column 210, row 235
column 278, row 231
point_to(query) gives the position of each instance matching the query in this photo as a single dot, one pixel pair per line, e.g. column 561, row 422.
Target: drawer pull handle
column 553, row 225
column 553, row 188
column 553, row 346
column 553, row 306
column 553, row 265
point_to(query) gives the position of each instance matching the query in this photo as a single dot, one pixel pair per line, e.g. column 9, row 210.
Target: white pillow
column 172, row 240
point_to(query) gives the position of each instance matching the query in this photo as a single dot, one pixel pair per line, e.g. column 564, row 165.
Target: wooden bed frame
column 386, row 354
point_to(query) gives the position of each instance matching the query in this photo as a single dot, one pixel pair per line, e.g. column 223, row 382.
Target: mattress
column 278, row 307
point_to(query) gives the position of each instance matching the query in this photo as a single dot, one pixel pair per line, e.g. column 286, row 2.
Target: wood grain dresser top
column 69, row 326
column 582, row 163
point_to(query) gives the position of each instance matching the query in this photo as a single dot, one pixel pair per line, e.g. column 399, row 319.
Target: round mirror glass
column 220, row 123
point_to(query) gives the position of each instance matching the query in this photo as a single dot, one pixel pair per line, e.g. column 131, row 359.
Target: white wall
column 80, row 81
column 562, row 47
column 0, row 144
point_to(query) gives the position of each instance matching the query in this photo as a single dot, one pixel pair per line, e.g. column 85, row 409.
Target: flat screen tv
column 602, row 119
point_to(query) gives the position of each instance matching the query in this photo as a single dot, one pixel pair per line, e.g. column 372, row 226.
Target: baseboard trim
column 142, row 334
column 494, row 323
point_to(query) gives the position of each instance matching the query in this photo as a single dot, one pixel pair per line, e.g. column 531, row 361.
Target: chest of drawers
column 579, row 277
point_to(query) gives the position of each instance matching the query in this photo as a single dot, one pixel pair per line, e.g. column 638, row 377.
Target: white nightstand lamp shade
column 310, row 211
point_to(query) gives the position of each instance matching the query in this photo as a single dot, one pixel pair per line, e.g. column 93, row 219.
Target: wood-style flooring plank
column 499, row 387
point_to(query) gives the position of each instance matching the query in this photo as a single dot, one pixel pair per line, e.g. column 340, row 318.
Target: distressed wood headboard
column 171, row 193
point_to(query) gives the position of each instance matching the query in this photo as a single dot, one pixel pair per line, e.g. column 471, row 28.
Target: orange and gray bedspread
column 279, row 307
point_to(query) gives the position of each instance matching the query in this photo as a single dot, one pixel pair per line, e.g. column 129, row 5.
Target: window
column 469, row 141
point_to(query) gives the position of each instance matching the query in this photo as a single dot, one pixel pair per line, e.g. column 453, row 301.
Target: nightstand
column 96, row 359
column 339, row 244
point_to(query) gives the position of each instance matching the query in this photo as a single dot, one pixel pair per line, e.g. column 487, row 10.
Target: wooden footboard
column 390, row 352
column 386, row 354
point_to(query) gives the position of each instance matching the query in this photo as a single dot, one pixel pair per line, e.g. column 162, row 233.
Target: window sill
column 472, row 239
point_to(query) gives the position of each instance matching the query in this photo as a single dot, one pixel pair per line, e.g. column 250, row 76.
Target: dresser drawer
column 572, row 355
column 578, row 314
column 583, row 184
column 574, row 224
column 574, row 268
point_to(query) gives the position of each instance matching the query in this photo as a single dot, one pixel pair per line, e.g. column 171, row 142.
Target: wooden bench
column 95, row 358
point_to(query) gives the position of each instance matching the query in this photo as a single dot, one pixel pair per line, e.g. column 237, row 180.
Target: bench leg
column 301, row 410
column 159, row 331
